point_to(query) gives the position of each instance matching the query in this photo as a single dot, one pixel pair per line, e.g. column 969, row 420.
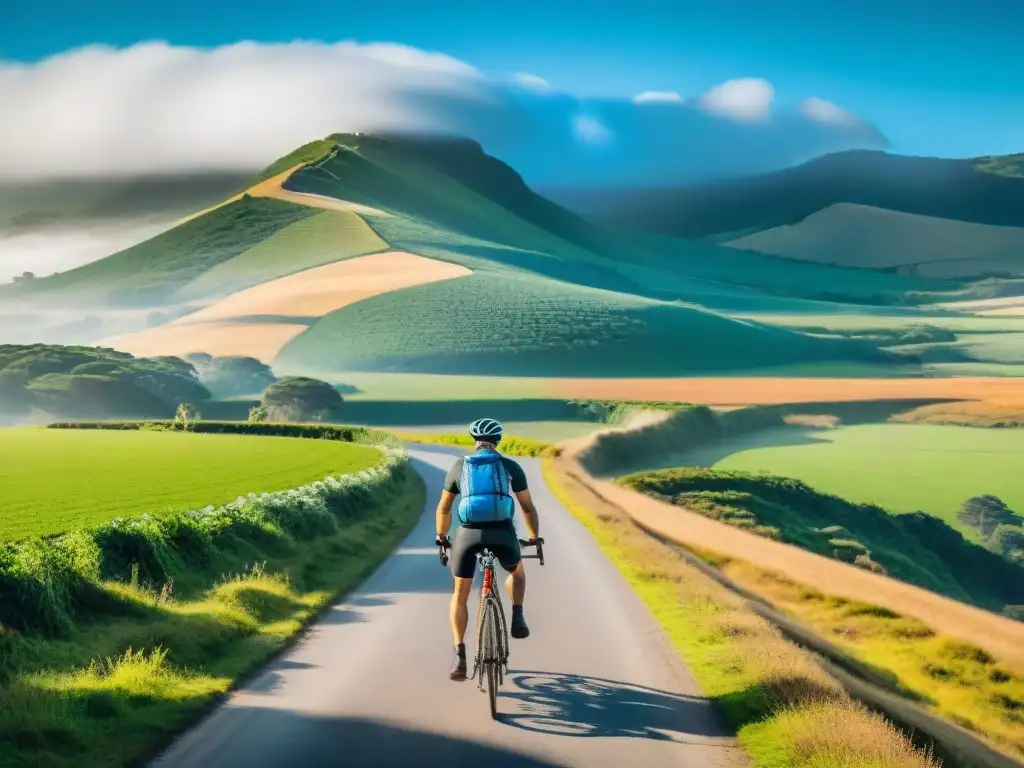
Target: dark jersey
column 515, row 472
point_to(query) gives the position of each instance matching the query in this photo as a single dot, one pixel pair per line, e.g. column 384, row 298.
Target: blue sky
column 938, row 77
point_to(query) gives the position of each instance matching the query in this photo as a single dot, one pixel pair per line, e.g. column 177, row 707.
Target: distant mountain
column 986, row 190
column 853, row 235
column 385, row 253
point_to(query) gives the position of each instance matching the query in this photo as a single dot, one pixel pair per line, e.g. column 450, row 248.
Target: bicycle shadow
column 579, row 706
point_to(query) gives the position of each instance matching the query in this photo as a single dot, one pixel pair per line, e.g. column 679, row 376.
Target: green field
column 320, row 239
column 902, row 467
column 53, row 480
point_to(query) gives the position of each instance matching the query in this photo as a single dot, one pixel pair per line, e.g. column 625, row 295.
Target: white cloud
column 154, row 107
column 531, row 82
column 745, row 99
column 658, row 97
column 827, row 112
column 158, row 107
column 590, row 129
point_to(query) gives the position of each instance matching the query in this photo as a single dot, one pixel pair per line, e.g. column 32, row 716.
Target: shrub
column 986, row 513
column 299, row 398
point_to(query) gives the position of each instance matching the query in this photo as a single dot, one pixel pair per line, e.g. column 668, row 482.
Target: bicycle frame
column 488, row 592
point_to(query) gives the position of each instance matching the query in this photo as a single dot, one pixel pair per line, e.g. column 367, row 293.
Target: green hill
column 309, row 242
column 986, row 190
column 150, row 272
column 861, row 236
column 552, row 293
column 516, row 325
column 452, row 186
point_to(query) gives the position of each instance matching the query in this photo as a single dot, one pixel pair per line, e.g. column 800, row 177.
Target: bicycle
column 491, row 629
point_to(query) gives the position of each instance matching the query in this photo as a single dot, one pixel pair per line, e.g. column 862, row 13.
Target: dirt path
column 272, row 188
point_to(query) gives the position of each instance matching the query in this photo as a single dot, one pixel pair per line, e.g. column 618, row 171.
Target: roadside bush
column 46, row 584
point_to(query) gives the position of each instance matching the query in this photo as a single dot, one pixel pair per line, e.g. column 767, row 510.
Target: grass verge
column 785, row 709
column 104, row 670
column 957, row 680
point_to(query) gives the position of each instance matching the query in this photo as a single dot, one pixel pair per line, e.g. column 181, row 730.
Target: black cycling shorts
column 467, row 542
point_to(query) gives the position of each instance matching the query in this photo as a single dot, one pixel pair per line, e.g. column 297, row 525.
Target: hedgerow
column 49, row 584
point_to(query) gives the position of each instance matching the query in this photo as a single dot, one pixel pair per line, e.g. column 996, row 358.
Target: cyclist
column 487, row 481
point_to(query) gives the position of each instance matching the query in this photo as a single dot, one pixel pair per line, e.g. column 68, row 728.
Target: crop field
column 320, row 239
column 902, row 467
column 260, row 320
column 53, row 480
column 505, row 325
column 861, row 236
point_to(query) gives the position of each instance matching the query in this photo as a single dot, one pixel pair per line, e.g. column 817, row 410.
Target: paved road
column 594, row 685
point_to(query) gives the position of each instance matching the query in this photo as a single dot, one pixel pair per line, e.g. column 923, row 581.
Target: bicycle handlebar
column 538, row 543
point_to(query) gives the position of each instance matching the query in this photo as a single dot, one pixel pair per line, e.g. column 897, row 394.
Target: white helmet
column 487, row 430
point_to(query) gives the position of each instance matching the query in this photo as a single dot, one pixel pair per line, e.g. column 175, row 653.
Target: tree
column 257, row 414
column 232, row 376
column 1007, row 539
column 298, row 398
column 25, row 277
column 986, row 513
column 186, row 416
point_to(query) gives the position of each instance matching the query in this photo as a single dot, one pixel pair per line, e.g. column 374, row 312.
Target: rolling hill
column 986, row 191
column 542, row 290
column 854, row 235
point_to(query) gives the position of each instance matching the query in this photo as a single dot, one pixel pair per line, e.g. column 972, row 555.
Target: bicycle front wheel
column 492, row 652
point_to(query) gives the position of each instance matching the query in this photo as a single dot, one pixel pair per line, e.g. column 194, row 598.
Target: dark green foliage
column 299, row 398
column 233, row 376
column 916, row 547
column 90, row 382
column 986, row 513
column 93, row 397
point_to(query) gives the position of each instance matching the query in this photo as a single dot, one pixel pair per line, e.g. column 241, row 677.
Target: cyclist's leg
column 466, row 543
column 505, row 545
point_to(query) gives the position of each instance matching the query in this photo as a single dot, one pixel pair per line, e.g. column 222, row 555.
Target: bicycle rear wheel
column 492, row 652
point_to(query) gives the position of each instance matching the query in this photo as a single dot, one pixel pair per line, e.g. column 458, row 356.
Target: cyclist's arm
column 443, row 515
column 529, row 512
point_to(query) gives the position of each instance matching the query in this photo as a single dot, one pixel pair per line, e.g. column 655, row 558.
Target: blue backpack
column 485, row 487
